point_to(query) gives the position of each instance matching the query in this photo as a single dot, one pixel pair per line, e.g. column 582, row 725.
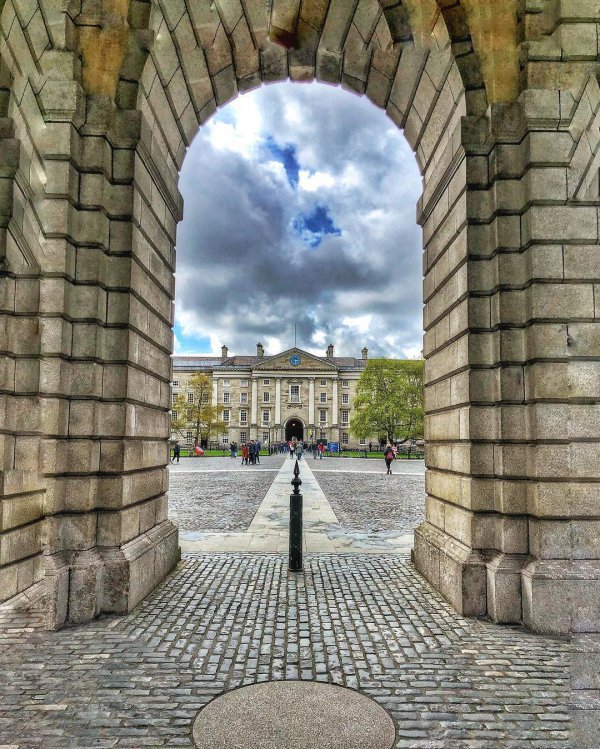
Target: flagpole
column 294, row 335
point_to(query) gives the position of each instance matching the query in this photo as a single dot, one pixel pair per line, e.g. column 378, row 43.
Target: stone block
column 117, row 528
column 561, row 596
column 573, row 224
column 85, row 588
column 562, row 301
column 504, row 588
column 458, row 573
column 18, row 543
column 8, row 582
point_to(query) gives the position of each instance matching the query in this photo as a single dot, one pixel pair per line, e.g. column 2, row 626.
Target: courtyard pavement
column 362, row 620
column 374, row 513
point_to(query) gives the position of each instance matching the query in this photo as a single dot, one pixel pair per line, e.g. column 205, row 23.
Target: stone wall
column 98, row 104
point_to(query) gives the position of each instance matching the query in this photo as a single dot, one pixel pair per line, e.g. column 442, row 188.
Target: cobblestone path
column 375, row 502
column 219, row 500
column 223, row 620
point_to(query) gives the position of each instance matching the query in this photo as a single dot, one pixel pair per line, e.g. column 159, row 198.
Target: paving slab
column 293, row 715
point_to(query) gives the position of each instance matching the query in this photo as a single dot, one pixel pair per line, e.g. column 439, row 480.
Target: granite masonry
column 501, row 104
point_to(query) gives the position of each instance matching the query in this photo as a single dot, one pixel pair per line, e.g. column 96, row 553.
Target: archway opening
column 300, row 231
column 294, row 428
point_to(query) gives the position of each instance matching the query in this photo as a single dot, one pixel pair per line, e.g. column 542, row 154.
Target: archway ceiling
column 250, row 44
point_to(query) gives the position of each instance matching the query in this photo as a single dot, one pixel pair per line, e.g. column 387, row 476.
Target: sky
column 300, row 204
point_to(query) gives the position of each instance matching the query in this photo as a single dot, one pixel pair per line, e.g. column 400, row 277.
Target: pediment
column 284, row 361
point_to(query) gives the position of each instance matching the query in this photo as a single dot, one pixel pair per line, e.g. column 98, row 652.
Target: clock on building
column 295, row 360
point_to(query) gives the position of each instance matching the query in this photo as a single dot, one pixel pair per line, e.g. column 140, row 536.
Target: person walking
column 299, row 450
column 245, row 454
column 321, row 449
column 257, row 446
column 389, row 456
column 177, row 451
column 292, row 447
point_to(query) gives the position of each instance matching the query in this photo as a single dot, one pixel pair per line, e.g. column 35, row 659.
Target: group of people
column 250, row 452
column 296, row 449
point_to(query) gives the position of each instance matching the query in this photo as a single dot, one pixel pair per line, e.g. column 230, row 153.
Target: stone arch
column 105, row 99
column 294, row 427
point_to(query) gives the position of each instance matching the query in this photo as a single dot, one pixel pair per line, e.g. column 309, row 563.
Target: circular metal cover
column 293, row 715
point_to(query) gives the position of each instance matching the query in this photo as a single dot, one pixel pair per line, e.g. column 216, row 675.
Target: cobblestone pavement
column 213, row 500
column 224, row 620
column 375, row 503
column 218, row 493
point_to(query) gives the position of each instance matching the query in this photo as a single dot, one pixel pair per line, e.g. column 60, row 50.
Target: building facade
column 275, row 398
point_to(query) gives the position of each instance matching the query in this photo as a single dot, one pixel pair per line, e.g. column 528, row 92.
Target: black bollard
column 295, row 561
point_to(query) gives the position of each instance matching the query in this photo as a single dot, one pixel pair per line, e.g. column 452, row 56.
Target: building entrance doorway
column 294, row 428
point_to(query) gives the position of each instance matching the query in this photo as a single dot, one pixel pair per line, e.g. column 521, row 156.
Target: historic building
column 274, row 398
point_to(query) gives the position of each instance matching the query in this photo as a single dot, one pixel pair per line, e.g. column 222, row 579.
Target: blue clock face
column 295, row 360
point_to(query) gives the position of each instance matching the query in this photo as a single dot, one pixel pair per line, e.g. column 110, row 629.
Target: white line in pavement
column 229, row 470
column 380, row 473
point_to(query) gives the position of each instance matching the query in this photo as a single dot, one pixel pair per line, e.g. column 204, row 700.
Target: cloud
column 300, row 209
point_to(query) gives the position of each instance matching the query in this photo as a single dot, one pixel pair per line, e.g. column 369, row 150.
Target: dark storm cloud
column 332, row 171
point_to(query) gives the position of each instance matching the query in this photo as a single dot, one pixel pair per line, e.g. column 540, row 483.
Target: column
column 277, row 401
column 311, row 401
column 254, row 404
column 334, row 404
column 215, row 392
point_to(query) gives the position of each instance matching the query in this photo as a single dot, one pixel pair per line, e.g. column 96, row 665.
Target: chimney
column 365, row 353
column 260, row 350
column 224, row 351
column 330, row 351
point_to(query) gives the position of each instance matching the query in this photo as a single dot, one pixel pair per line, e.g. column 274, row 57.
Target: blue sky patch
column 190, row 343
column 287, row 157
column 314, row 226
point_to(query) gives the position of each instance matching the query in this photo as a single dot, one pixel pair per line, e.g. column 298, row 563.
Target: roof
column 247, row 362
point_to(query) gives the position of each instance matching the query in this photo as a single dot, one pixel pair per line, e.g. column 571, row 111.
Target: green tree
column 389, row 400
column 197, row 413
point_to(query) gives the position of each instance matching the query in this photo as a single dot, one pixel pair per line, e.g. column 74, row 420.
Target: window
column 345, row 417
column 173, row 415
column 226, row 397
column 322, row 414
column 323, row 383
column 243, row 397
column 323, row 398
column 225, row 383
column 322, row 436
column 204, row 397
column 174, row 398
column 266, row 397
column 363, row 440
column 344, row 438
column 243, row 436
column 190, row 397
column 225, row 440
column 189, row 436
column 295, row 393
column 175, row 383
column 266, row 382
column 265, row 437
column 243, row 384
column 243, row 417
column 226, row 414
column 345, row 383
column 265, row 416
column 345, row 398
